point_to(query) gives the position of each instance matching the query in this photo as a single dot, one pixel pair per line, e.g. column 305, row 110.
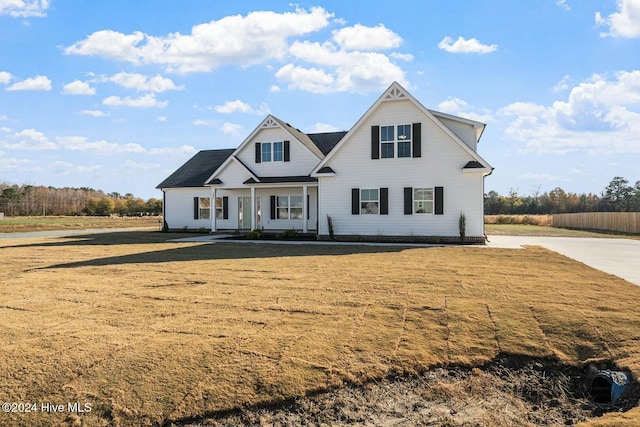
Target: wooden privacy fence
column 625, row 222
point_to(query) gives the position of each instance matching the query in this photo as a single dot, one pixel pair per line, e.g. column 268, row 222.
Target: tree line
column 36, row 200
column 617, row 196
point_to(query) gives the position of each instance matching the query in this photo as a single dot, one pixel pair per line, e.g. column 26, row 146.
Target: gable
column 297, row 154
column 394, row 107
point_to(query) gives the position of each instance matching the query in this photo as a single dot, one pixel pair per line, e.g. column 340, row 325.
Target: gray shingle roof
column 197, row 169
column 326, row 141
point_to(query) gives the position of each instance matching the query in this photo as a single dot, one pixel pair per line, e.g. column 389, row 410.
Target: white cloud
column 360, row 37
column 24, row 8
column 563, row 84
column 94, row 113
column 32, row 83
column 142, row 83
column 623, row 23
column 5, row 129
column 274, row 89
column 131, row 165
column 563, row 4
column 65, row 168
column 452, row 105
column 600, row 116
column 184, row 150
column 339, row 70
column 78, row 87
column 461, row 108
column 203, row 122
column 402, row 56
column 231, row 129
column 161, row 119
column 146, row 101
column 81, row 143
column 323, row 127
column 239, row 106
column 240, row 40
column 3, row 117
column 5, row 77
column 28, row 139
column 18, row 165
column 465, row 46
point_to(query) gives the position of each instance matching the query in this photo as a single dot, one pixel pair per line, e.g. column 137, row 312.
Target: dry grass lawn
column 20, row 224
column 149, row 331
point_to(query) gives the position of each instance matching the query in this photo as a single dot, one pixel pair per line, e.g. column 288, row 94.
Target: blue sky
column 117, row 94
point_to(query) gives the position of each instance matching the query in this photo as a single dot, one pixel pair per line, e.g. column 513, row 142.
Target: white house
column 402, row 172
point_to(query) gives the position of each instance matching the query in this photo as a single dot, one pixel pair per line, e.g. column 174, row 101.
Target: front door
column 244, row 213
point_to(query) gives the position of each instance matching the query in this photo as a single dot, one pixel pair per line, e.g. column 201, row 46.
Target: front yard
column 148, row 331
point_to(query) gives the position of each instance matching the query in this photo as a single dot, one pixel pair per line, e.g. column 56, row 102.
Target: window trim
column 204, row 212
column 395, row 142
column 289, row 207
column 377, row 201
column 426, row 200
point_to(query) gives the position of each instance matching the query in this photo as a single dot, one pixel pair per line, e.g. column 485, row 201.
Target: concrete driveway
column 620, row 257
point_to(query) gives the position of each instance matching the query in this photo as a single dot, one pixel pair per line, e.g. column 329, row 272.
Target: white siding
column 302, row 159
column 440, row 165
column 233, row 175
column 179, row 208
column 464, row 131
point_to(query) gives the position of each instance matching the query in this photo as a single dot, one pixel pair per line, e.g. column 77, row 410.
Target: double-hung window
column 404, row 140
column 369, row 201
column 219, row 208
column 266, row 151
column 392, row 135
column 423, row 200
column 289, row 207
column 277, row 151
column 204, row 208
column 387, row 142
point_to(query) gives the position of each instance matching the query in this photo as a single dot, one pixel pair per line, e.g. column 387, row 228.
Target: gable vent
column 270, row 123
column 395, row 93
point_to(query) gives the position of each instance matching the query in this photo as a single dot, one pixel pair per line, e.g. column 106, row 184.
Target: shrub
column 290, row 234
column 462, row 226
column 330, row 224
column 255, row 234
column 202, row 230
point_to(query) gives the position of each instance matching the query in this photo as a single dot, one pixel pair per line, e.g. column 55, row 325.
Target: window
column 289, row 207
column 266, row 151
column 404, row 140
column 387, row 142
column 296, row 207
column 277, row 151
column 369, row 201
column 423, row 200
column 204, row 207
column 219, row 208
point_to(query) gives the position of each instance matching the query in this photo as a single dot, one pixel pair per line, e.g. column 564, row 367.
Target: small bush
column 202, row 230
column 255, row 234
column 330, row 224
column 290, row 234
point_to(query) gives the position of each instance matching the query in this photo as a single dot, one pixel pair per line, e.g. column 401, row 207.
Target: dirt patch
column 509, row 391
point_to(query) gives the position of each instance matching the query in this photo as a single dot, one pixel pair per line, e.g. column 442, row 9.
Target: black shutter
column 196, row 208
column 384, row 201
column 258, row 153
column 286, row 151
column 355, row 201
column 225, row 207
column 273, row 207
column 375, row 142
column 439, row 201
column 308, row 206
column 417, row 140
column 408, row 200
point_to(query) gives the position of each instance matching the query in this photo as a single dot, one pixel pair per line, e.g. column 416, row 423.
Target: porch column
column 305, row 227
column 214, row 193
column 254, row 208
